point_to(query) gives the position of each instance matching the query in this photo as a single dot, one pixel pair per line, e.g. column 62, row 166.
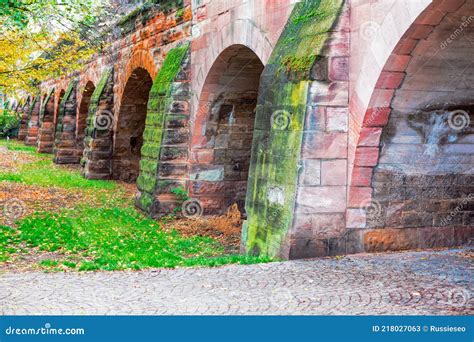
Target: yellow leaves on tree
column 27, row 58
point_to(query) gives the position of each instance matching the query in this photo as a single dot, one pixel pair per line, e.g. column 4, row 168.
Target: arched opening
column 223, row 130
column 128, row 139
column 83, row 112
column 415, row 153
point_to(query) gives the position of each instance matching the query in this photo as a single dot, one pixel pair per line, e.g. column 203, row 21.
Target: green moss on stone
column 276, row 149
column 62, row 105
column 44, row 103
column 160, row 98
column 94, row 103
column 304, row 35
column 33, row 105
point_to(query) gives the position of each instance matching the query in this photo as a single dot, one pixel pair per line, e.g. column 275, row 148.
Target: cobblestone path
column 428, row 282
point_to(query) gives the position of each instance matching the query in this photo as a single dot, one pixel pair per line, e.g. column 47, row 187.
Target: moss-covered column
column 33, row 121
column 280, row 122
column 25, row 111
column 65, row 151
column 164, row 151
column 97, row 158
column 45, row 141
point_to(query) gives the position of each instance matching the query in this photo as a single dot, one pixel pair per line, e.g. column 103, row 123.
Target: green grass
column 45, row 173
column 111, row 235
column 114, row 239
column 15, row 145
column 8, row 242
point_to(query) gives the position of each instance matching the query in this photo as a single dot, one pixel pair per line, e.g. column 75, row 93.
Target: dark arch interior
column 425, row 172
column 229, row 99
column 82, row 115
column 128, row 138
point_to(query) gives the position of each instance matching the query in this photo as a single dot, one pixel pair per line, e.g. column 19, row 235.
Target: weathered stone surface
column 245, row 102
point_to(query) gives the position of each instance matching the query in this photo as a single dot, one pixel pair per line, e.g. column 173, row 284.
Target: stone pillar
column 45, row 141
column 97, row 158
column 300, row 129
column 33, row 123
column 164, row 153
column 25, row 111
column 65, row 151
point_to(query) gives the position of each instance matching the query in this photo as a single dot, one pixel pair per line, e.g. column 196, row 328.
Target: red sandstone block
column 397, row 63
column 334, row 172
column 339, row 69
column 366, row 156
column 202, row 156
column 302, row 227
column 207, row 188
column 330, row 94
column 417, row 31
column 359, row 197
column 370, row 136
column 356, row 218
column 430, row 17
column 377, row 116
column 381, row 98
column 337, row 118
column 324, row 145
column 321, row 199
column 361, row 176
column 390, row 80
column 449, row 5
column 188, row 14
column 338, row 45
column 199, row 43
column 198, row 141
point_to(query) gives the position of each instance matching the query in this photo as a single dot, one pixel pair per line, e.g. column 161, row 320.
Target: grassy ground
column 70, row 223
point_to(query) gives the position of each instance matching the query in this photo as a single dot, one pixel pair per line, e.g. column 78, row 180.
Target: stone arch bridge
column 336, row 126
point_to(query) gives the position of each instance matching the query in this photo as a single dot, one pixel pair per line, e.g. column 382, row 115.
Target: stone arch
column 414, row 98
column 140, row 59
column 45, row 141
column 130, row 124
column 223, row 130
column 239, row 32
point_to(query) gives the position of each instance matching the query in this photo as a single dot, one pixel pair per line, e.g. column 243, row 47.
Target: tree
column 42, row 39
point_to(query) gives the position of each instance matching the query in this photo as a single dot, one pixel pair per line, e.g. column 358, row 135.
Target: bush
column 9, row 124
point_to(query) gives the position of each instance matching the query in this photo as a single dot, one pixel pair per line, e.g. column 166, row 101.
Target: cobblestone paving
column 429, row 282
